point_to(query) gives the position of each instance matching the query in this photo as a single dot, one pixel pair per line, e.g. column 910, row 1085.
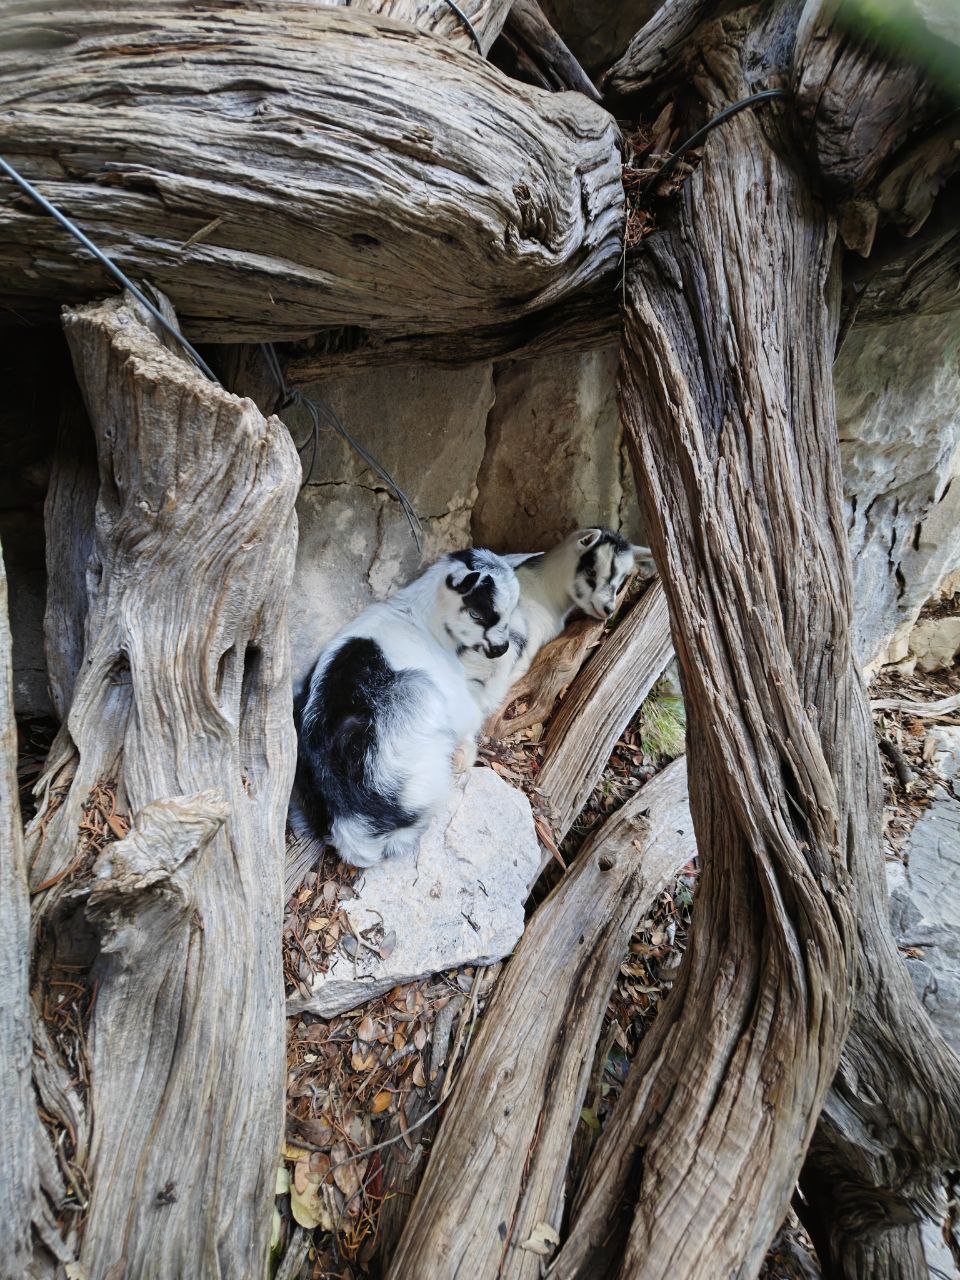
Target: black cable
column 452, row 4
column 111, row 266
column 320, row 411
column 692, row 141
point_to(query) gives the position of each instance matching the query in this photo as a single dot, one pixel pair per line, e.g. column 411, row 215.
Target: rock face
column 925, row 908
column 898, row 413
column 426, row 427
column 555, row 457
column 460, row 901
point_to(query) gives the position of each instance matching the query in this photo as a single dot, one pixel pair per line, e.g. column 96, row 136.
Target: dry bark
column 182, row 709
column 436, row 16
column 656, row 46
column 726, row 394
column 581, row 322
column 17, row 1115
column 498, row 1166
column 599, row 706
column 529, row 28
column 551, row 673
column 293, row 167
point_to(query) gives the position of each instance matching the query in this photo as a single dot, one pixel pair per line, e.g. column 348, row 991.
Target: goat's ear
column 464, row 585
column 641, row 553
column 589, row 538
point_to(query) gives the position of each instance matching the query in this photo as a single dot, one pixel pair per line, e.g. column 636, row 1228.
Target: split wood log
column 550, row 674
column 498, row 1165
column 529, row 27
column 18, row 1121
column 923, row 710
column 726, row 396
column 600, row 705
column 292, row 167
column 486, row 17
column 656, row 46
column 181, row 711
column 68, row 516
column 587, row 319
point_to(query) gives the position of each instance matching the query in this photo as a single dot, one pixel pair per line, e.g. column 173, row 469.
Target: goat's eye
column 475, row 616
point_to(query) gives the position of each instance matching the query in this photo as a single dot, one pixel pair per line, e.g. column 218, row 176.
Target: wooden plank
column 499, row 1162
column 601, row 703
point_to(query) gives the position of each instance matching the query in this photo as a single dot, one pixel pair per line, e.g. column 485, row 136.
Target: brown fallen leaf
column 419, row 1079
column 381, row 1101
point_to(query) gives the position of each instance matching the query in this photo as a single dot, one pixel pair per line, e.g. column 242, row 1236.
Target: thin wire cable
column 734, row 109
column 111, row 266
column 452, row 4
column 322, row 413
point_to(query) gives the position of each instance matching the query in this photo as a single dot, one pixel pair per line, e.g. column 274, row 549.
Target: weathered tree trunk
column 291, row 167
column 600, row 704
column 18, row 1121
column 498, row 1167
column 726, row 393
column 181, row 711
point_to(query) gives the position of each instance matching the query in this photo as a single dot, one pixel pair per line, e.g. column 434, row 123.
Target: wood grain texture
column 586, row 320
column 654, row 49
column 498, row 1165
column 859, row 105
column 68, row 516
column 332, row 167
column 551, row 673
column 486, row 17
column 725, row 390
column 529, row 27
column 18, row 1171
column 600, row 704
column 183, row 703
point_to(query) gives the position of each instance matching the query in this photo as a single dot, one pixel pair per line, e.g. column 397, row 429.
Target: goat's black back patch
column 337, row 732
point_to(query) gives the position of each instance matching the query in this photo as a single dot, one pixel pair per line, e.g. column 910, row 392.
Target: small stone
column 458, row 902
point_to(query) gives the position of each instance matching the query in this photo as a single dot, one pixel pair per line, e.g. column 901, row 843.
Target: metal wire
column 734, row 109
column 111, row 266
column 322, row 413
column 452, row 4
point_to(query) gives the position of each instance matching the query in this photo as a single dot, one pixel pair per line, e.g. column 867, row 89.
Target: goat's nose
column 497, row 650
column 609, row 608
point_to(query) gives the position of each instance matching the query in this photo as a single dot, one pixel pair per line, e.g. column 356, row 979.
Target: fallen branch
column 922, row 710
column 498, row 1166
column 600, row 704
column 331, row 196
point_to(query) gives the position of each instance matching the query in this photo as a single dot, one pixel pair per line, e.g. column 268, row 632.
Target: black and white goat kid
column 387, row 716
column 585, row 572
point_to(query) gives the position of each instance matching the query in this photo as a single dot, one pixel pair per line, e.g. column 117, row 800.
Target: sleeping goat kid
column 386, row 715
column 585, row 571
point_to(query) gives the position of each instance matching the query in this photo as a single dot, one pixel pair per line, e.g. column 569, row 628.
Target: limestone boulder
column 898, row 414
column 555, row 458
column 458, row 901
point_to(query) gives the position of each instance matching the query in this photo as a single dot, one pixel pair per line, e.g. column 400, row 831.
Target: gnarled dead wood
column 583, row 321
column 528, row 26
column 184, row 691
column 68, row 528
column 326, row 166
column 599, row 705
column 725, row 391
column 498, row 1165
column 656, row 45
column 18, row 1170
column 436, row 16
column 550, row 674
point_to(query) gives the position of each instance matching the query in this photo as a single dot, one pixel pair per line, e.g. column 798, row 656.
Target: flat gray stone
column 459, row 901
column 925, row 912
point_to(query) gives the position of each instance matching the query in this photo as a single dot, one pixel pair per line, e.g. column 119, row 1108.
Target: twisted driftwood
column 289, row 167
column 181, row 709
column 498, row 1167
column 18, row 1169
